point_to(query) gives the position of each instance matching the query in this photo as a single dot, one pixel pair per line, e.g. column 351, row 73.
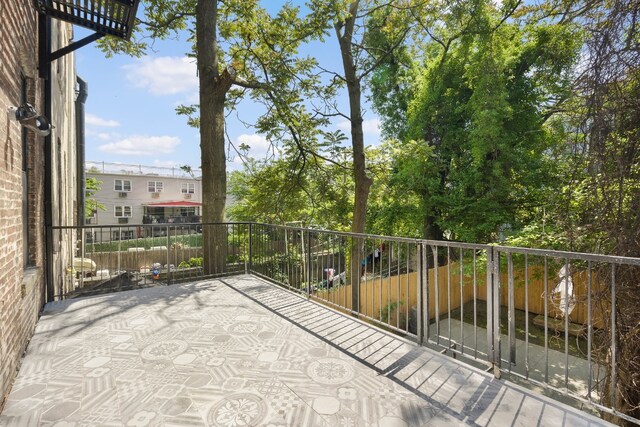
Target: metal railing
column 543, row 317
column 113, row 258
column 317, row 263
column 577, row 309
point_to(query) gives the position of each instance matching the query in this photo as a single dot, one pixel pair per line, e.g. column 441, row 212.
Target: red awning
column 174, row 204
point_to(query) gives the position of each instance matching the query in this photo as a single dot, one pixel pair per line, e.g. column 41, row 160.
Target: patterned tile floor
column 241, row 352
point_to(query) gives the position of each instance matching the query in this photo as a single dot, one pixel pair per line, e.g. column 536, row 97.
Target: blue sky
column 130, row 111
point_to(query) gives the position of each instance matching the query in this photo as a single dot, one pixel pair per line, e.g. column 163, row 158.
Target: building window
column 155, row 186
column 190, row 211
column 122, row 211
column 122, row 185
column 122, row 235
column 188, row 188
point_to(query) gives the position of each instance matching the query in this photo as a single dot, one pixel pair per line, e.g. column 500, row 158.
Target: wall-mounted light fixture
column 29, row 118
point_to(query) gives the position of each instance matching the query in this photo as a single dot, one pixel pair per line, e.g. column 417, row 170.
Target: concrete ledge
column 31, row 277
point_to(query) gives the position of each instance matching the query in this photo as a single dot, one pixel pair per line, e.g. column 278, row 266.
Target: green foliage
column 390, row 309
column 282, row 191
column 386, row 29
column 91, row 205
column 193, row 262
column 482, row 92
column 395, row 206
column 277, row 265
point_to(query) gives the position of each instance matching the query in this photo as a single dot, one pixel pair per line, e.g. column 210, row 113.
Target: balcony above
column 112, row 17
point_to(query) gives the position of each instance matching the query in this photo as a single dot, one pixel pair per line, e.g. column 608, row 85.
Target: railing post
column 493, row 309
column 308, row 261
column 423, row 291
column 355, row 274
column 613, row 336
column 49, row 282
column 425, row 269
column 168, row 256
column 489, row 289
column 248, row 264
column 119, row 247
column 511, row 311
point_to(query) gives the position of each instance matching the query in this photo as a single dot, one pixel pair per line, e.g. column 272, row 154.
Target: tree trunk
column 362, row 181
column 213, row 90
column 431, row 229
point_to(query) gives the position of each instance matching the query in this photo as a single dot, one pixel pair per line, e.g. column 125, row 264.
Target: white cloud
column 236, row 163
column 256, row 142
column 164, row 75
column 344, row 125
column 370, row 127
column 93, row 120
column 140, row 145
column 104, row 136
column 259, row 148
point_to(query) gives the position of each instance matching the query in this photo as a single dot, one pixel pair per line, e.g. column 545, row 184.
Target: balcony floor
column 239, row 351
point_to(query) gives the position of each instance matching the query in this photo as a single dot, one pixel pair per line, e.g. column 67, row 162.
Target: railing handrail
column 342, row 233
column 129, row 225
column 586, row 256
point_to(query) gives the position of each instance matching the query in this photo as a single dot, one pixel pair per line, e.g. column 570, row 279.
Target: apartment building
column 137, row 194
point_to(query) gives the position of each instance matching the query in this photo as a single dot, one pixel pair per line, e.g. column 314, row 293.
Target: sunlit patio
column 240, row 351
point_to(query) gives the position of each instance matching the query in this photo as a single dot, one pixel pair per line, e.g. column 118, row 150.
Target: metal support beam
column 74, row 46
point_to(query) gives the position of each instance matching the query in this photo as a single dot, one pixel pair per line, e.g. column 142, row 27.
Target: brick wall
column 21, row 289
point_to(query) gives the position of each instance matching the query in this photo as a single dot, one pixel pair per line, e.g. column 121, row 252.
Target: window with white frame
column 122, row 185
column 122, row 211
column 155, row 186
column 188, row 188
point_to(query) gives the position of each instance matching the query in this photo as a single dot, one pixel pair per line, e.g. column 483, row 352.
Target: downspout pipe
column 44, row 64
column 81, row 99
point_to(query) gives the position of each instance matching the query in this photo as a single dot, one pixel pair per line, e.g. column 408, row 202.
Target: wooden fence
column 391, row 298
column 135, row 260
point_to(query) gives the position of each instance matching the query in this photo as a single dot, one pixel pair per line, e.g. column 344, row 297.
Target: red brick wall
column 21, row 290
